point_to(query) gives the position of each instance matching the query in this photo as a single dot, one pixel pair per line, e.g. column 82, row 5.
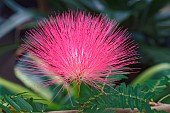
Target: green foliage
column 151, row 72
column 157, row 79
column 38, row 107
column 21, row 103
column 12, row 103
column 123, row 96
column 14, row 88
column 157, row 86
column 5, row 108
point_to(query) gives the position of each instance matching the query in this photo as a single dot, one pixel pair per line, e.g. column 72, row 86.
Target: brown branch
column 159, row 107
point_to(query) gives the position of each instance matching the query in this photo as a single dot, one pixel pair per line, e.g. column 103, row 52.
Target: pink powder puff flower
column 81, row 48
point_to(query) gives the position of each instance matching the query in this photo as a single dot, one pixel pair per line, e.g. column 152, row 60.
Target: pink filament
column 81, row 48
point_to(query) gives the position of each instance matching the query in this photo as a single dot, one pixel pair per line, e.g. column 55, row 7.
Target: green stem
column 166, row 96
column 79, row 90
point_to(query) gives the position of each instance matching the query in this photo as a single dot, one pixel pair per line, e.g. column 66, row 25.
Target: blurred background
column 148, row 22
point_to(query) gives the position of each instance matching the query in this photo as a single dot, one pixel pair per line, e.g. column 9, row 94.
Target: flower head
column 81, row 48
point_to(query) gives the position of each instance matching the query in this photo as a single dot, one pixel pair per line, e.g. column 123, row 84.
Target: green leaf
column 131, row 102
column 138, row 104
column 129, row 89
column 137, row 90
column 93, row 109
column 122, row 91
column 38, row 107
column 118, row 77
column 5, row 108
column 149, row 95
column 157, row 85
column 100, row 100
column 23, row 104
column 101, row 109
column 147, row 108
column 94, row 101
column 122, row 100
column 149, row 73
column 16, row 88
column 12, row 103
column 88, row 109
